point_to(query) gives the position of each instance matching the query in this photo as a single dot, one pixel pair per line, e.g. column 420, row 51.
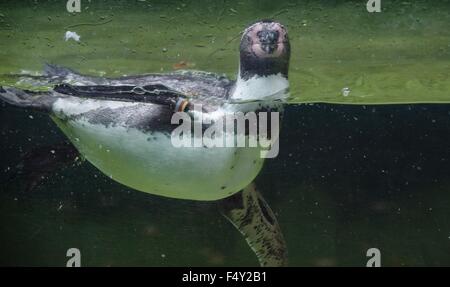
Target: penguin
column 124, row 127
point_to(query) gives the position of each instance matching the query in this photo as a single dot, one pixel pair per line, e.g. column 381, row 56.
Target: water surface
column 348, row 178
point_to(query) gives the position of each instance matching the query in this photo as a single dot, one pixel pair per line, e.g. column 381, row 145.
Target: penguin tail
column 55, row 74
column 41, row 101
column 52, row 71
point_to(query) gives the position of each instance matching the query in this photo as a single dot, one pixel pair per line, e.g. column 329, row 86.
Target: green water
column 332, row 204
column 399, row 55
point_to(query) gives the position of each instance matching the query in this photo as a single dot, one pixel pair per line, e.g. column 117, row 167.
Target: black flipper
column 155, row 94
column 252, row 216
column 190, row 82
column 41, row 101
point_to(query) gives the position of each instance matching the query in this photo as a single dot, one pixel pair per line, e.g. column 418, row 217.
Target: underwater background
column 364, row 155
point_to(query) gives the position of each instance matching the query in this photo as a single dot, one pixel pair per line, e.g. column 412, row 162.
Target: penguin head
column 264, row 50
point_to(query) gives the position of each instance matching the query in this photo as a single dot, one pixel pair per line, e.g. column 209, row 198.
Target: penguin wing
column 193, row 84
column 155, row 94
column 168, row 89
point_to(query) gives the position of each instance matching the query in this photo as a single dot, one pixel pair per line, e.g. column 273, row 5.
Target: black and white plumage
column 122, row 126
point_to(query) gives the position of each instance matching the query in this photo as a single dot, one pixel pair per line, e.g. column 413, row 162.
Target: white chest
column 147, row 160
column 261, row 88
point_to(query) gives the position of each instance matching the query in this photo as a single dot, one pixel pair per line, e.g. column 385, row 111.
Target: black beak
column 268, row 40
